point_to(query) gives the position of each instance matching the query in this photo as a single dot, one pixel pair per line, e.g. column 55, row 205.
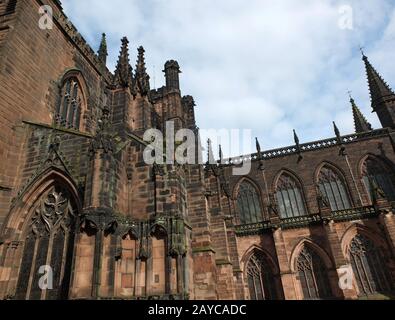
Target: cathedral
column 84, row 217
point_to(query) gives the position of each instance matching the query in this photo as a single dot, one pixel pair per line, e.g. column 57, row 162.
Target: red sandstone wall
column 32, row 62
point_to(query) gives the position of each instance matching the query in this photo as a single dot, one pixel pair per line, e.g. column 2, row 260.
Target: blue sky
column 269, row 66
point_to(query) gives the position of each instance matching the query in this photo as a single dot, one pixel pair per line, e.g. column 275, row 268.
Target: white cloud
column 266, row 65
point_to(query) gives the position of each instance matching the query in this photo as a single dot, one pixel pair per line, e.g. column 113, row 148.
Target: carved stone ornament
column 53, row 211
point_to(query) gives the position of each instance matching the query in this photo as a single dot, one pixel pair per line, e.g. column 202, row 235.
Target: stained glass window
column 248, row 203
column 290, row 197
column 261, row 282
column 313, row 275
column 68, row 112
column 368, row 266
column 333, row 188
column 49, row 241
column 376, row 171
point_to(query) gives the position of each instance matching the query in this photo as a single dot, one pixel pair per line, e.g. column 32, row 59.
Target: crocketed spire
column 103, row 53
column 123, row 71
column 379, row 89
column 360, row 122
column 141, row 77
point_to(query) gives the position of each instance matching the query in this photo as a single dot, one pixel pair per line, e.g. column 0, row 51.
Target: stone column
column 287, row 277
column 341, row 283
column 180, row 275
column 387, row 224
column 388, row 221
column 97, row 263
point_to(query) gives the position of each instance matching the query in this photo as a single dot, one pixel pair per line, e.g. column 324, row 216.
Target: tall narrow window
column 68, row 112
column 261, row 281
column 248, row 203
column 49, row 242
column 373, row 170
column 313, row 275
column 369, row 267
column 334, row 189
column 290, row 197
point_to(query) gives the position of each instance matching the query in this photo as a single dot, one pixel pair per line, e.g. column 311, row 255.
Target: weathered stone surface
column 168, row 231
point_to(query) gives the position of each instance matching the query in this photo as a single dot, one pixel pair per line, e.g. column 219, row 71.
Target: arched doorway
column 48, row 238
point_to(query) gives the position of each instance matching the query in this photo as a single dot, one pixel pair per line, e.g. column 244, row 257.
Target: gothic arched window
column 368, row 266
column 69, row 108
column 261, row 282
column 313, row 275
column 248, row 203
column 49, row 242
column 290, row 197
column 373, row 170
column 333, row 189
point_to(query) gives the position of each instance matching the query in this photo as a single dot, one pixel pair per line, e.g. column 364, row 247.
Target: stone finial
column 360, row 122
column 103, row 53
column 123, row 71
column 141, row 76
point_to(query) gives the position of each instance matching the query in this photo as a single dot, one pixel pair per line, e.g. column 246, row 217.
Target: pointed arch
column 130, row 232
column 72, row 100
column 289, row 194
column 159, row 230
column 22, row 208
column 255, row 248
column 248, row 201
column 75, row 72
column 261, row 274
column 376, row 169
column 369, row 266
column 44, row 221
column 354, row 230
column 366, row 252
column 311, row 263
column 333, row 186
column 310, row 243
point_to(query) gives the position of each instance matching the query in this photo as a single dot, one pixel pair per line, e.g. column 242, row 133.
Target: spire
column 339, row 139
column 337, row 132
column 259, row 152
column 258, row 146
column 360, row 122
column 379, row 89
column 103, row 53
column 123, row 71
column 298, row 147
column 141, row 76
column 296, row 139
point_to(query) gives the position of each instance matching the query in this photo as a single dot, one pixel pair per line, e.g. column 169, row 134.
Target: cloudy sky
column 269, row 66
